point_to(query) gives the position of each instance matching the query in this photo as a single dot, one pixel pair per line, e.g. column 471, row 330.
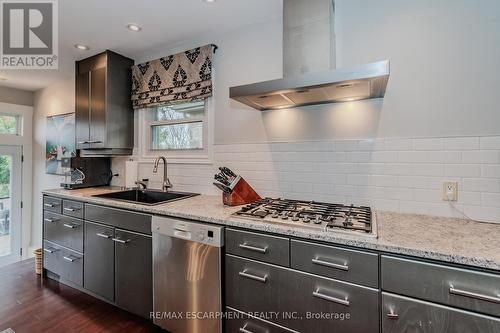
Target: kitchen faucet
column 166, row 182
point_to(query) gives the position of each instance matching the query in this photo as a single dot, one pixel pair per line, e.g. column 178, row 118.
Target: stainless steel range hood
column 308, row 65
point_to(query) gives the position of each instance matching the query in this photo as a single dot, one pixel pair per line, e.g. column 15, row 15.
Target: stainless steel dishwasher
column 187, row 275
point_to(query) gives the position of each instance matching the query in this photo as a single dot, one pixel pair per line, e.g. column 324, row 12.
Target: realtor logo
column 29, row 34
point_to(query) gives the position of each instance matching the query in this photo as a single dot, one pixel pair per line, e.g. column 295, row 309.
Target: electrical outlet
column 450, row 191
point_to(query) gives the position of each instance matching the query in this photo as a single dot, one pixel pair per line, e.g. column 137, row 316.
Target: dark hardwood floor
column 31, row 304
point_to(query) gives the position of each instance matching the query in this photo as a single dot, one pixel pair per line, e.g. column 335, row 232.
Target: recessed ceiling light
column 209, row 1
column 82, row 47
column 134, row 27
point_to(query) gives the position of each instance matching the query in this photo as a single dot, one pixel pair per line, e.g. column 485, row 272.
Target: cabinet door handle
column 50, row 220
column 244, row 273
column 50, row 205
column 253, row 248
column 70, row 226
column 392, row 316
column 103, row 235
column 70, row 209
column 331, row 298
column 474, row 295
column 94, row 141
column 121, row 241
column 69, row 259
column 321, row 262
column 88, row 142
column 49, row 250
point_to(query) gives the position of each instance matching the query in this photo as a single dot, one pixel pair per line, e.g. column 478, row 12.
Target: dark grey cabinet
column 63, row 230
column 104, row 115
column 133, row 272
column 99, row 261
column 402, row 314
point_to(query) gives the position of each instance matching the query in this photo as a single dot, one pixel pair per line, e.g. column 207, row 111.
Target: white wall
column 56, row 99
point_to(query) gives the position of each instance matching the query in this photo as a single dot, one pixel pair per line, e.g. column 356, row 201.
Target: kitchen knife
column 221, row 179
column 228, row 171
column 223, row 188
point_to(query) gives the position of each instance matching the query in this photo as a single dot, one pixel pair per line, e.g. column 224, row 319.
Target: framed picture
column 60, row 141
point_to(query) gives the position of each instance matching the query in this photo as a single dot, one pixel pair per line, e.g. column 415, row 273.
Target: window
column 9, row 124
column 178, row 127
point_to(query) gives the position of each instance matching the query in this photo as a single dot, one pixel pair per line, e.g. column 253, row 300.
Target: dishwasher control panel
column 192, row 231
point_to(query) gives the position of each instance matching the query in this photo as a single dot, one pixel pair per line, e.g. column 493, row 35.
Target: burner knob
column 306, row 219
column 275, row 214
column 317, row 220
column 295, row 217
column 284, row 216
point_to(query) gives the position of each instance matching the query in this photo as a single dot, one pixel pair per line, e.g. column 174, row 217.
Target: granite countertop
column 446, row 239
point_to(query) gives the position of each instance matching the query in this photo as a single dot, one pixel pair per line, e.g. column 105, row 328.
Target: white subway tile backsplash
column 402, row 175
column 428, row 144
column 462, row 143
column 490, row 142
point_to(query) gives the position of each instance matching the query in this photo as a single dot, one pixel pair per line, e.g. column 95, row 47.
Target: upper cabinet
column 104, row 114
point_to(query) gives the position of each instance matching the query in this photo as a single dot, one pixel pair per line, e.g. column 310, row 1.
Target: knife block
column 242, row 194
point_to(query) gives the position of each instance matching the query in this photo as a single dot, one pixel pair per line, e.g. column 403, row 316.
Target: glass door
column 10, row 204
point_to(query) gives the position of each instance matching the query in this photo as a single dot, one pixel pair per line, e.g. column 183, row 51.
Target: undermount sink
column 147, row 197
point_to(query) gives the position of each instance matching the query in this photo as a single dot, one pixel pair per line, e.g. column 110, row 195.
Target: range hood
column 309, row 43
column 337, row 85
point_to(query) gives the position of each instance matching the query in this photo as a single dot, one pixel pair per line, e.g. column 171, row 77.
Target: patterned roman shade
column 181, row 77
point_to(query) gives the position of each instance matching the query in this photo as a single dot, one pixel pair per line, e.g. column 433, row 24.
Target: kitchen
column 252, row 166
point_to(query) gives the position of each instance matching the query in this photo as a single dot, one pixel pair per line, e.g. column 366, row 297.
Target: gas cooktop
column 312, row 214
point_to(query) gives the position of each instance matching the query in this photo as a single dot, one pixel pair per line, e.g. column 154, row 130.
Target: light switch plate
column 450, row 191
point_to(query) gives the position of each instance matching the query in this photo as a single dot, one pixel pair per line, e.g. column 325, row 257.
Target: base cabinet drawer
column 240, row 322
column 73, row 208
column 52, row 204
column 63, row 262
column 335, row 262
column 304, row 302
column 457, row 287
column 266, row 248
column 63, row 230
column 402, row 314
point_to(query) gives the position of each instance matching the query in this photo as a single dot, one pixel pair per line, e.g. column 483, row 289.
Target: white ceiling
column 102, row 25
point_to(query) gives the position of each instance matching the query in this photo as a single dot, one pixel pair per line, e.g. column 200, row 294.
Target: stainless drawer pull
column 244, row 329
column 262, row 279
column 470, row 294
column 88, row 142
column 50, row 220
column 318, row 261
column 69, row 259
column 70, row 226
column 392, row 316
column 103, row 235
column 50, row 205
column 330, row 298
column 70, row 209
column 49, row 250
column 253, row 248
column 121, row 241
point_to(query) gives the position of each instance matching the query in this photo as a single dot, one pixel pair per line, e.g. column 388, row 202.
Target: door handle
column 244, row 274
column 393, row 316
column 341, row 301
column 50, row 220
column 474, row 295
column 121, row 241
column 50, row 205
column 70, row 226
column 103, row 235
column 253, row 248
column 49, row 250
column 321, row 262
column 70, row 209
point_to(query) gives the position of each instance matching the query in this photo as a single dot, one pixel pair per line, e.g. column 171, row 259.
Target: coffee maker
column 86, row 172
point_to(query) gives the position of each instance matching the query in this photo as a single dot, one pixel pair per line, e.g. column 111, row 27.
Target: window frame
column 195, row 156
